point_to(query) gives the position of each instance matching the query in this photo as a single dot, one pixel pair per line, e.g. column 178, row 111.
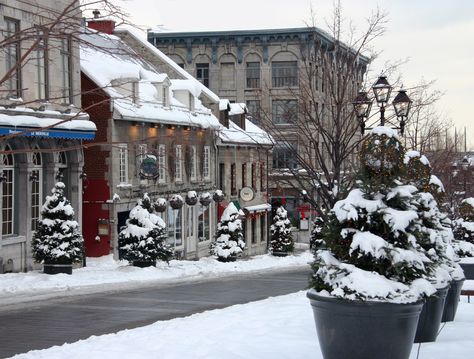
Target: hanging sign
column 246, row 194
column 149, row 167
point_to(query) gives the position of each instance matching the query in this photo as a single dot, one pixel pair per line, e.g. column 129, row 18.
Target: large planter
column 227, row 259
column 468, row 269
column 55, row 268
column 280, row 254
column 144, row 264
column 452, row 300
column 430, row 317
column 364, row 330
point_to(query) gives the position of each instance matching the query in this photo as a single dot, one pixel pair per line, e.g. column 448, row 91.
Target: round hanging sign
column 149, row 167
column 246, row 194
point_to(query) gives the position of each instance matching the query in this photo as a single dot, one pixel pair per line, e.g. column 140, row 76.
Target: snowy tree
column 281, row 241
column 57, row 239
column 370, row 249
column 143, row 239
column 316, row 238
column 229, row 241
column 463, row 228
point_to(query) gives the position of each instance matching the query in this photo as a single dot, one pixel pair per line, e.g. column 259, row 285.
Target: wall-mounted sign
column 149, row 167
column 246, row 194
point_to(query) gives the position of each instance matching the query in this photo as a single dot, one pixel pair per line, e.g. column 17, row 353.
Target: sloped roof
column 252, row 135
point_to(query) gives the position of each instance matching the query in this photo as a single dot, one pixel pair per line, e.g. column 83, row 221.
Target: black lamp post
column 465, row 167
column 382, row 90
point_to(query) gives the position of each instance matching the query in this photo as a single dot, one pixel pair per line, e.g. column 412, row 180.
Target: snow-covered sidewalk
column 106, row 274
column 279, row 327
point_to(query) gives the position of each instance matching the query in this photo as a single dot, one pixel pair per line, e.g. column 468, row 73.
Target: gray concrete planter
column 364, row 330
column 231, row 258
column 430, row 317
column 452, row 300
column 280, row 254
column 54, row 268
column 468, row 269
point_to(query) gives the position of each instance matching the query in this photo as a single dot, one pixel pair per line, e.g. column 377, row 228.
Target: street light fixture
column 382, row 90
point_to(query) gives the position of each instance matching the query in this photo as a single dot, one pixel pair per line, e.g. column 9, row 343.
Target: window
column 263, row 228
column 142, row 150
column 7, row 193
column 193, row 163
column 284, row 111
column 253, row 107
column 202, row 74
column 42, row 86
column 254, row 230
column 262, row 176
column 178, row 169
column 233, row 185
column 174, row 221
column 203, row 223
column 67, row 69
column 123, row 163
column 284, row 73
column 244, row 175
column 36, row 180
column 191, row 221
column 12, row 56
column 254, row 176
column 165, row 96
column 253, row 74
column 227, row 78
column 62, row 174
column 222, row 177
column 285, row 156
column 162, row 163
column 206, row 168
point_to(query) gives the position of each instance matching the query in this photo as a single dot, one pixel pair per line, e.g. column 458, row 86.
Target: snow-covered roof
column 45, row 123
column 252, row 135
column 141, row 37
column 264, row 207
column 224, row 104
column 237, row 109
column 117, row 68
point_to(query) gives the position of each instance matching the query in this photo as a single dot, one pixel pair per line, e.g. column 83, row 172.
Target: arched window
column 7, row 161
column 36, row 180
column 62, row 174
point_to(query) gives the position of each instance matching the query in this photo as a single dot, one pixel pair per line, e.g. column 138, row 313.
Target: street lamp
column 382, row 90
column 465, row 167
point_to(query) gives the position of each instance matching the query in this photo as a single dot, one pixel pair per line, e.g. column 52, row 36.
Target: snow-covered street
column 104, row 273
column 280, row 327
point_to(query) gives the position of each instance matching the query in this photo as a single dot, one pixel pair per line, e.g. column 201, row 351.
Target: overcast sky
column 436, row 35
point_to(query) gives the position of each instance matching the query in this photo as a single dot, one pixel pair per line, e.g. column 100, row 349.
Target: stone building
column 145, row 105
column 264, row 70
column 41, row 127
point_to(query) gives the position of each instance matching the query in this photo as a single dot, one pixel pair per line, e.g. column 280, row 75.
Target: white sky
column 436, row 35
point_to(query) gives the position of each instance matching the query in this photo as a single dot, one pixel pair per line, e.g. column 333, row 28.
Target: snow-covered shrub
column 229, row 241
column 57, row 239
column 316, row 238
column 281, row 240
column 160, row 205
column 205, row 199
column 176, row 201
column 218, row 196
column 191, row 198
column 370, row 249
column 463, row 229
column 143, row 238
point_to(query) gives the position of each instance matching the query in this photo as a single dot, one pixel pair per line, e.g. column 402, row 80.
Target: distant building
column 41, row 126
column 263, row 69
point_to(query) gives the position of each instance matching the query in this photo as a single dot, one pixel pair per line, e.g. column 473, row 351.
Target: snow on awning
column 264, row 207
column 51, row 133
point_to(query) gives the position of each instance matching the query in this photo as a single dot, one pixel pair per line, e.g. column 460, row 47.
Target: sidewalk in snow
column 279, row 327
column 106, row 274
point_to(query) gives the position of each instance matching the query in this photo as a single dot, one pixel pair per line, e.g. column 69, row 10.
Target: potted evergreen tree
column 369, row 276
column 142, row 241
column 229, row 242
column 281, row 241
column 464, row 236
column 57, row 242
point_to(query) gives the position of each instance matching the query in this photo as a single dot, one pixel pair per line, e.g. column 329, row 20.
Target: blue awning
column 50, row 133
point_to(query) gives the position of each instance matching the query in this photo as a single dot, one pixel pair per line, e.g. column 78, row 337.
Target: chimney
column 101, row 25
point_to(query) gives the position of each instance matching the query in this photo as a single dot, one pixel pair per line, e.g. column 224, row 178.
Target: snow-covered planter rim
column 325, row 296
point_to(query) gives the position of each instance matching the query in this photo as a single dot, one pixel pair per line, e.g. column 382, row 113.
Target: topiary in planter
column 229, row 242
column 57, row 242
column 142, row 241
column 369, row 258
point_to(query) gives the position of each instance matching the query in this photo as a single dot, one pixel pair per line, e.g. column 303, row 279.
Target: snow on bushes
column 229, row 242
column 463, row 229
column 57, row 239
column 143, row 238
column 281, row 240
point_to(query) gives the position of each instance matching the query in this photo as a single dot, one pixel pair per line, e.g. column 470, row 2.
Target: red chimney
column 101, row 25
